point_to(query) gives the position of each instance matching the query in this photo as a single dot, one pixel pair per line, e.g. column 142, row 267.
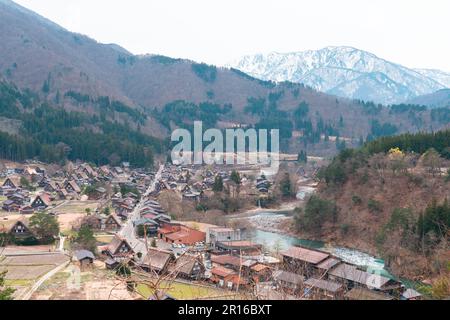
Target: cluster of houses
column 181, row 179
column 67, row 184
column 226, row 260
column 311, row 273
column 19, row 199
column 196, row 183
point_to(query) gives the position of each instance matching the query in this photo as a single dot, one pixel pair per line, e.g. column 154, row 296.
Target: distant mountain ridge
column 438, row 99
column 347, row 72
column 153, row 94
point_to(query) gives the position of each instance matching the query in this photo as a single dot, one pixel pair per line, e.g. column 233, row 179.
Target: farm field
column 70, row 212
column 25, row 267
column 185, row 291
column 76, row 207
column 94, row 284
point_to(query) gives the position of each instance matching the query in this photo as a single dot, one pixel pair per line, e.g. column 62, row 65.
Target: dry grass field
column 71, row 212
column 30, row 264
column 94, row 284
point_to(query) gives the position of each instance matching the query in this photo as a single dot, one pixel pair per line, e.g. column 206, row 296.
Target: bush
column 374, row 206
column 356, row 200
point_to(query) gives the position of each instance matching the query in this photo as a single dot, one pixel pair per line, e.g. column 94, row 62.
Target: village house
column 243, row 247
column 327, row 265
column 111, row 264
column 10, row 206
column 148, row 225
column 352, row 277
column 12, row 182
column 303, row 261
column 98, row 194
column 26, row 210
column 192, row 196
column 227, row 278
column 323, row 289
column 83, row 258
column 187, row 267
column 111, row 223
column 215, row 235
column 180, row 234
column 63, row 194
column 157, row 260
column 41, row 202
column 288, row 282
column 118, row 249
column 18, row 229
column 51, row 186
column 104, row 223
column 87, row 169
column 19, row 196
column 227, row 261
column 72, row 187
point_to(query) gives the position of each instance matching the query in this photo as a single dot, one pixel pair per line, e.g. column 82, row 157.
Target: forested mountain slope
column 389, row 198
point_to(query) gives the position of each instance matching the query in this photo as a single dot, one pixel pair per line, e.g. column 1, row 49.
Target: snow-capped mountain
column 440, row 76
column 347, row 72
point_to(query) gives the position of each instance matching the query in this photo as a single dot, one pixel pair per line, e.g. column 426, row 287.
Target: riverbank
column 274, row 229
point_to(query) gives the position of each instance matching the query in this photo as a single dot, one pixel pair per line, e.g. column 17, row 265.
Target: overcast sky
column 414, row 33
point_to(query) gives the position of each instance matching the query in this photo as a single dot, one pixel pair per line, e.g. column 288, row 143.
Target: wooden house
column 352, row 277
column 180, row 234
column 227, row 261
column 83, row 258
column 227, row 278
column 323, row 289
column 27, row 210
column 51, row 187
column 12, row 182
column 119, row 248
column 288, row 282
column 17, row 229
column 111, row 264
column 187, row 267
column 41, row 201
column 157, row 260
column 72, row 187
column 10, row 206
column 237, row 247
column 303, row 261
column 112, row 223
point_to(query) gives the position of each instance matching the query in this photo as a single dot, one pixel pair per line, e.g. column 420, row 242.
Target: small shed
column 85, row 258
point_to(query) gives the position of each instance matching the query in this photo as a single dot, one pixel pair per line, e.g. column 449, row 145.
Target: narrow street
column 128, row 229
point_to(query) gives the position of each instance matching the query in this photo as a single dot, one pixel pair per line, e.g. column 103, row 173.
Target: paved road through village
column 128, row 231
